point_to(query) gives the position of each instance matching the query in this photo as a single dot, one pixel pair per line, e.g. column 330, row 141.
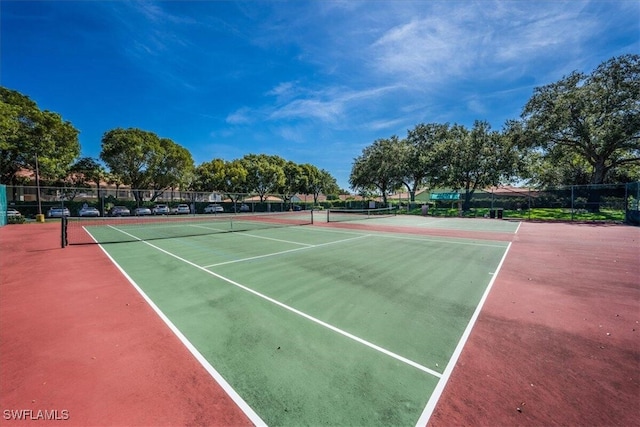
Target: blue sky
column 310, row 81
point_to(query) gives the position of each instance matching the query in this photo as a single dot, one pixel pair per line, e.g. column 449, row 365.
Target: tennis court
column 310, row 325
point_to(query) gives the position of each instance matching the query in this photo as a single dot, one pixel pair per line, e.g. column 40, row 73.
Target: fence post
column 572, row 187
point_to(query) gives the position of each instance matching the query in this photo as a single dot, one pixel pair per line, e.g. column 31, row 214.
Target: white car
column 213, row 208
column 13, row 213
column 55, row 212
column 88, row 211
column 161, row 210
column 142, row 211
column 181, row 209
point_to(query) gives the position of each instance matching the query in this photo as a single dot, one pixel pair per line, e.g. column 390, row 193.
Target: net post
column 63, row 232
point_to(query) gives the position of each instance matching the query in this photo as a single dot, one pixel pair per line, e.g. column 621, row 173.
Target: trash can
column 499, row 212
column 40, row 218
column 492, row 213
column 425, row 210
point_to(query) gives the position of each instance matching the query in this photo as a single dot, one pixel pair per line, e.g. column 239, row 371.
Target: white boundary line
column 437, row 392
column 244, row 406
column 419, row 239
column 247, row 234
column 518, row 227
column 405, row 236
column 307, row 246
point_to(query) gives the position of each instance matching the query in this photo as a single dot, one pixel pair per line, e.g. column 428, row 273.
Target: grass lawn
column 543, row 214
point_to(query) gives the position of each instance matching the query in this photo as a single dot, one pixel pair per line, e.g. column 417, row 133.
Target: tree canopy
column 26, row 132
column 378, row 167
column 144, row 161
column 475, row 159
column 440, row 154
column 583, row 129
column 586, row 127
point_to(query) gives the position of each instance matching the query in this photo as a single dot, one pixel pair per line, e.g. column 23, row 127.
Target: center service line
column 283, row 252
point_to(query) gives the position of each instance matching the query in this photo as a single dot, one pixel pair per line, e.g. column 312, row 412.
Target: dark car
column 119, row 211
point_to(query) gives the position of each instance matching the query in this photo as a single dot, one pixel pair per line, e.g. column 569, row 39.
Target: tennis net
column 338, row 215
column 79, row 231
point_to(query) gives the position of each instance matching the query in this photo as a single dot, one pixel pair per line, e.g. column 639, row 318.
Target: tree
column 475, row 159
column 209, row 176
column 142, row 160
column 234, row 181
column 590, row 119
column 220, row 175
column 294, row 181
column 418, row 160
column 265, row 174
column 26, row 132
column 172, row 167
column 377, row 168
column 318, row 181
column 83, row 172
column 328, row 184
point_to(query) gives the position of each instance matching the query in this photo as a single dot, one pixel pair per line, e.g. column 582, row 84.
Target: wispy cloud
column 336, row 106
column 151, row 38
column 241, row 116
column 323, row 110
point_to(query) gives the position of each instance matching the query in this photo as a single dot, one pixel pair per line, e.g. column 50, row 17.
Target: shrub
column 16, row 220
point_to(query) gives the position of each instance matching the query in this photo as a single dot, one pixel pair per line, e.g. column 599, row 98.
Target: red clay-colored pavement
column 558, row 339
column 557, row 342
column 77, row 341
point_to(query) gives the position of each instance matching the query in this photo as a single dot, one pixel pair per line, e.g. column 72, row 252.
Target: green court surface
column 318, row 326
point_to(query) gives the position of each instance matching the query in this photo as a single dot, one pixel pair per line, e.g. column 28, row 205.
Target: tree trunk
column 595, row 192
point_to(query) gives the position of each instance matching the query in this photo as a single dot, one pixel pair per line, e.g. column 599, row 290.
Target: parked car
column 88, row 211
column 160, row 210
column 11, row 213
column 297, row 208
column 58, row 212
column 182, row 209
column 244, row 208
column 141, row 211
column 119, row 211
column 213, row 208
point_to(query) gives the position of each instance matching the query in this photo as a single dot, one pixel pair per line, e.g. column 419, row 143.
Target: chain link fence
column 608, row 202
column 604, row 203
column 30, row 202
